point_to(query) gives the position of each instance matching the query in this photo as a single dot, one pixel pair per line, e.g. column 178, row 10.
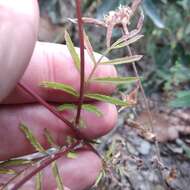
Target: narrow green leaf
column 89, row 48
column 87, row 107
column 82, row 124
column 92, row 108
column 31, row 138
column 123, row 60
column 7, row 171
column 111, row 151
column 127, row 42
column 16, row 162
column 50, row 139
column 181, row 94
column 182, row 100
column 98, row 179
column 66, row 107
column 116, row 80
column 120, row 40
column 72, row 50
column 72, row 155
column 57, row 176
column 38, row 181
column 59, row 86
column 106, row 98
column 70, row 140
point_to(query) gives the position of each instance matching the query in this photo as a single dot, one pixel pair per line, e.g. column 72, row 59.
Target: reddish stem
column 82, row 61
column 77, row 133
column 43, row 164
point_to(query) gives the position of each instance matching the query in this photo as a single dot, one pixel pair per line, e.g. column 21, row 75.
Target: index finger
column 53, row 62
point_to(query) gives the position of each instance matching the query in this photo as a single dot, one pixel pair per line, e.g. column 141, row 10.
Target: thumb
column 18, row 33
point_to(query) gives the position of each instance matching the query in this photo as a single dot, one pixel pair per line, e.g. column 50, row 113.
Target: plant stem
column 43, row 164
column 96, row 65
column 82, row 61
column 149, row 116
column 142, row 89
column 77, row 133
column 146, row 103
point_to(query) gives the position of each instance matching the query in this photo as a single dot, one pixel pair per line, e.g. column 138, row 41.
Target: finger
column 53, row 62
column 70, row 171
column 87, row 162
column 37, row 118
column 18, row 33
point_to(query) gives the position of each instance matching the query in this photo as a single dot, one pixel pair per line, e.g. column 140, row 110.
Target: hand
column 23, row 59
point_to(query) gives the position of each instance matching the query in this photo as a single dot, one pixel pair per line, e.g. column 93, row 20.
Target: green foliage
column 116, row 80
column 166, row 42
column 7, row 171
column 72, row 50
column 31, row 138
column 99, row 178
column 92, row 108
column 89, row 48
column 82, row 124
column 104, row 98
column 72, row 155
column 38, row 181
column 123, row 60
column 179, row 74
column 59, row 86
column 15, row 162
column 66, row 107
column 168, row 46
column 87, row 107
column 169, row 49
column 57, row 176
column 182, row 100
column 50, row 139
column 122, row 42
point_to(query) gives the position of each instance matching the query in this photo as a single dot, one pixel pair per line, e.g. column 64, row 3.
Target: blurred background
column 165, row 69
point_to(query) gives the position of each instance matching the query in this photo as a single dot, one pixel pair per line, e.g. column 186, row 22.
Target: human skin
column 24, row 59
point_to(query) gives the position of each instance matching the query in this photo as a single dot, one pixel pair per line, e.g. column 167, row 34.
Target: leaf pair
column 39, row 148
column 87, row 107
column 125, row 41
column 70, row 90
column 122, row 42
column 104, row 98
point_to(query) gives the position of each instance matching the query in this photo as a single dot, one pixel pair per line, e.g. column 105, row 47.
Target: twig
column 149, row 116
column 77, row 133
column 82, row 71
column 42, row 165
column 146, row 103
column 82, row 61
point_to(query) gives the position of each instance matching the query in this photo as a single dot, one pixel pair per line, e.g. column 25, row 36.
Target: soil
column 137, row 160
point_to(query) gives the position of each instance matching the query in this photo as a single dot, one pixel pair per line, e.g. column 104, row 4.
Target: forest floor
column 137, row 165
